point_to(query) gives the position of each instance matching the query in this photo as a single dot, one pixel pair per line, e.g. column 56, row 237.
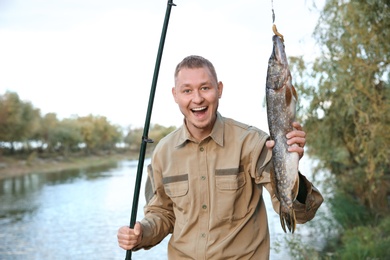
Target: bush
column 367, row 242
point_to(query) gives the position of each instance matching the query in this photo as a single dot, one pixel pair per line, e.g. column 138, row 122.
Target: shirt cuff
column 306, row 211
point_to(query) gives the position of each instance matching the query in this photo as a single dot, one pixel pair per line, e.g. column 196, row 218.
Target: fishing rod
column 145, row 138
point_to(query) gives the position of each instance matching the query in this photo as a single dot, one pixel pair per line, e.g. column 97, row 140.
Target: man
column 206, row 179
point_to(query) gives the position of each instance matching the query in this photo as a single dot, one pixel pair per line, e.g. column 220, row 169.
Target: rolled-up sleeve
column 314, row 199
column 303, row 211
column 159, row 217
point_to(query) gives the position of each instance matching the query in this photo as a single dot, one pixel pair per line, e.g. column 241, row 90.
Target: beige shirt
column 209, row 194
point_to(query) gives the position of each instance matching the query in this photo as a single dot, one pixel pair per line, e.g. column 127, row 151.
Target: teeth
column 198, row 108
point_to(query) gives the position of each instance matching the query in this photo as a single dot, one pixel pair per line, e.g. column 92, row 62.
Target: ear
column 220, row 89
column 174, row 94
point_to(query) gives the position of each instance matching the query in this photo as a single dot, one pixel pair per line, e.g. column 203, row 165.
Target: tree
column 108, row 135
column 46, row 131
column 345, row 109
column 66, row 136
column 133, row 138
column 348, row 116
column 19, row 120
column 98, row 133
column 156, row 133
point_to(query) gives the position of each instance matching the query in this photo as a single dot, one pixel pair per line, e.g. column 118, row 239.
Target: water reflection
column 65, row 214
column 13, row 191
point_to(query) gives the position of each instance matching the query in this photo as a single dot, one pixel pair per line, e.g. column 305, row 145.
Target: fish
column 281, row 99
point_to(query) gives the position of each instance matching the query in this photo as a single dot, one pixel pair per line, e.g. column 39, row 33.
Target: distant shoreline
column 13, row 167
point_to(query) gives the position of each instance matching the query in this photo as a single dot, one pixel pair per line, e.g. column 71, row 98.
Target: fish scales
column 281, row 100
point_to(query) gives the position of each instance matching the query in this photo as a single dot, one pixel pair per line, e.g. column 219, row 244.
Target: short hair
column 194, row 62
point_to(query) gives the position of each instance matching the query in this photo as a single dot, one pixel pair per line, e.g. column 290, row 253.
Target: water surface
column 76, row 215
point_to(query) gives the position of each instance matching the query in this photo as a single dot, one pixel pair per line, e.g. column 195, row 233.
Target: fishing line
column 273, row 22
column 273, row 13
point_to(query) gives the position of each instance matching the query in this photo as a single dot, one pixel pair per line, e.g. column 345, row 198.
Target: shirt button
column 203, row 178
column 201, row 149
column 203, row 235
column 204, row 207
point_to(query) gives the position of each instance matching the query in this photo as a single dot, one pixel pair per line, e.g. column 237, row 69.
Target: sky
column 81, row 57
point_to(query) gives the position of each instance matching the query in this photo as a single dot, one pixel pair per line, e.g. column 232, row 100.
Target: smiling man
column 206, row 179
column 197, row 92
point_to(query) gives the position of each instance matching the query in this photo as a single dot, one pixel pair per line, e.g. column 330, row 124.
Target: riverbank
column 12, row 166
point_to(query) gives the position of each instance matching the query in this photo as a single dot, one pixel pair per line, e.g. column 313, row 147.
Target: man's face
column 197, row 95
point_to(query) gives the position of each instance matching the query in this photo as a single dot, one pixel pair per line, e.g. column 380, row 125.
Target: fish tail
column 288, row 219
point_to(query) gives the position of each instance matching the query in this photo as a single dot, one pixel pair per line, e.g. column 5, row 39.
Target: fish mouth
column 278, row 52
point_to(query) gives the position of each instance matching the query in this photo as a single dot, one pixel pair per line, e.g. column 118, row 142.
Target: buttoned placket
column 204, row 212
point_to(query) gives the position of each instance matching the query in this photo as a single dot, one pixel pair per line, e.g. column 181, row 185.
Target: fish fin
column 288, row 96
column 282, row 218
column 295, row 189
column 294, row 92
column 293, row 221
column 273, row 182
column 288, row 219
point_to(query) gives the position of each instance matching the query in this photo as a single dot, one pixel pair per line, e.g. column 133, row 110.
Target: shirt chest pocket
column 176, row 187
column 230, row 179
column 231, row 198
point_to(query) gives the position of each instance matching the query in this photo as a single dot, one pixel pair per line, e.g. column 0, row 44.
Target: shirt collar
column 216, row 134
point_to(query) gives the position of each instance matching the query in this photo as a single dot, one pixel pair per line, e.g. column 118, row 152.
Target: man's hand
column 129, row 238
column 295, row 139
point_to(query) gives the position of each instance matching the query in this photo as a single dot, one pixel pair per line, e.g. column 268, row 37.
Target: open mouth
column 199, row 110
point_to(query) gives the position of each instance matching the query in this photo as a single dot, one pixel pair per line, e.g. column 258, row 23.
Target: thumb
column 270, row 144
column 137, row 228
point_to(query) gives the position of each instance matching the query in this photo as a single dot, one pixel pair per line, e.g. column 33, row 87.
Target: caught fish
column 281, row 99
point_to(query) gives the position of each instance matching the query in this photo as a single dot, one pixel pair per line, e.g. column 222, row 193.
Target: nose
column 197, row 98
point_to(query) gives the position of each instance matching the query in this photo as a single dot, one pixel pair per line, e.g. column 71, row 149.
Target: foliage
column 18, row 119
column 66, row 136
column 47, row 125
column 21, row 123
column 97, row 133
column 134, row 138
column 347, row 114
column 366, row 242
column 348, row 212
column 345, row 108
column 156, row 133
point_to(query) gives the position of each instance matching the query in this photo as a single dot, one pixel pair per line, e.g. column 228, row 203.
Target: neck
column 199, row 133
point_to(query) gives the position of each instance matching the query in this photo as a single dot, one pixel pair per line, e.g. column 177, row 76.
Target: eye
column 186, row 91
column 205, row 88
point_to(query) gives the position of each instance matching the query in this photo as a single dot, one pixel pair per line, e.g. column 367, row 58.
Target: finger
column 126, row 245
column 297, row 149
column 124, row 239
column 127, row 237
column 297, row 125
column 270, row 144
column 124, row 230
column 295, row 133
column 128, row 242
column 137, row 229
column 300, row 141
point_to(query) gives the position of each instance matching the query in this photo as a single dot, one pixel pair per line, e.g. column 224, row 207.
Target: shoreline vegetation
column 14, row 166
column 32, row 142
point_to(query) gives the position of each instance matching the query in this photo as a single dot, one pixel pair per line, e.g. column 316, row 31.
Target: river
column 76, row 214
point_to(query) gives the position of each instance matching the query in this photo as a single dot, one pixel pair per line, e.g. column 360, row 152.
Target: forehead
column 193, row 76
